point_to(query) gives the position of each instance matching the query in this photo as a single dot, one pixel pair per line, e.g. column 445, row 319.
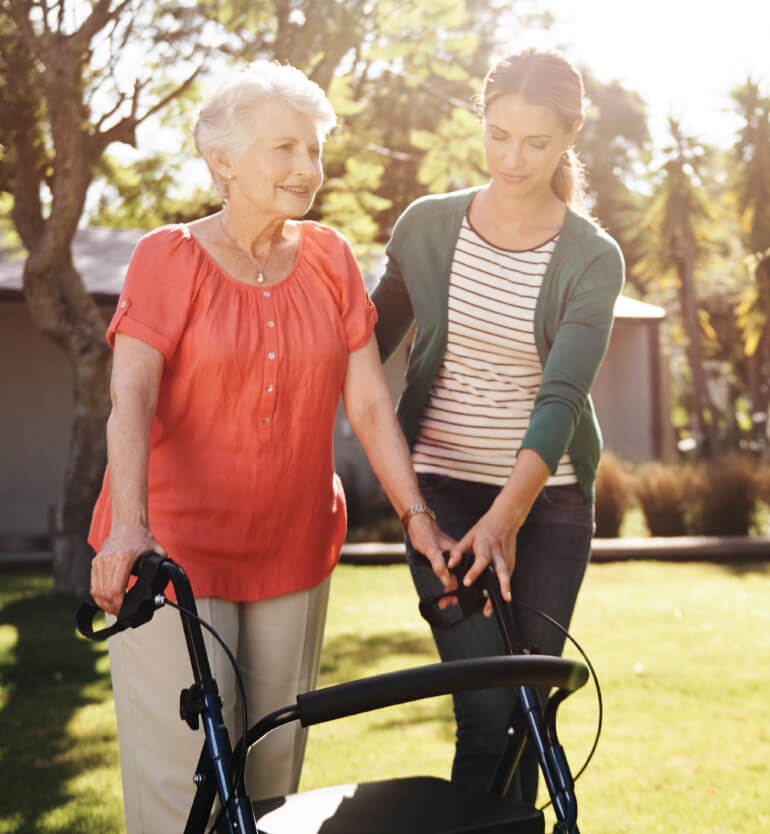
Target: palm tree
column 673, row 235
column 752, row 152
column 614, row 139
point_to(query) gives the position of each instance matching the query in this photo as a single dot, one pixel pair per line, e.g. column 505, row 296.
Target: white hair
column 221, row 119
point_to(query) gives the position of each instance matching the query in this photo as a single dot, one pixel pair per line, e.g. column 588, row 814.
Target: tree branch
column 105, row 116
column 19, row 12
column 100, row 16
column 124, row 130
column 172, row 95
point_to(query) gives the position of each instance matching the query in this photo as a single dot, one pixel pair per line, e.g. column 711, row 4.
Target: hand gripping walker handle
column 139, row 603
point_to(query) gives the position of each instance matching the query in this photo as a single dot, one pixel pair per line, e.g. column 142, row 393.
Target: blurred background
column 96, row 104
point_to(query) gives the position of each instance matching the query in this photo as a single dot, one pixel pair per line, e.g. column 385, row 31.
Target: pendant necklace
column 260, row 279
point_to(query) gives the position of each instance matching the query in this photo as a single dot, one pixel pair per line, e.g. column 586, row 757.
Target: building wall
column 35, row 420
column 622, row 393
column 630, row 394
column 36, row 386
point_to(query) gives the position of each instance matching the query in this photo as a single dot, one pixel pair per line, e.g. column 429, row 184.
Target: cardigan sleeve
column 391, row 299
column 574, row 358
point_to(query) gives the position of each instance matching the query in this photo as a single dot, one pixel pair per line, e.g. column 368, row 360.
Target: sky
column 682, row 56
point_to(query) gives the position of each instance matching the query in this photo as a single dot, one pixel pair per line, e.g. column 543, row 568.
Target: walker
column 414, row 805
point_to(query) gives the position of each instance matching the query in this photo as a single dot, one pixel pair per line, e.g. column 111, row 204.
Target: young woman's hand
column 493, row 542
column 111, row 567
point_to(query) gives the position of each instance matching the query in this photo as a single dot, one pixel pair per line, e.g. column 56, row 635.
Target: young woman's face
column 280, row 170
column 522, row 144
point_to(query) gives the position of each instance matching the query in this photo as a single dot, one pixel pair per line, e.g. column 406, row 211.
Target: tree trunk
column 63, row 309
column 701, row 402
column 85, row 470
column 758, row 365
column 83, row 479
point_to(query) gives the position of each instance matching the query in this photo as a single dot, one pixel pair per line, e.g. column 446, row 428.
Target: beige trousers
column 277, row 643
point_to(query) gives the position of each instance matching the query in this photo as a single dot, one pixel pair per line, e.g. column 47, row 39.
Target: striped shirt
column 481, row 399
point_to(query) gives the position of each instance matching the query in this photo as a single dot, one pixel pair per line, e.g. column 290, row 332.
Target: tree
column 393, row 73
column 752, row 183
column 64, row 101
column 613, row 146
column 676, row 227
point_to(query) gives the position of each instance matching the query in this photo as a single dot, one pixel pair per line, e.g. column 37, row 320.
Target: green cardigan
column 573, row 320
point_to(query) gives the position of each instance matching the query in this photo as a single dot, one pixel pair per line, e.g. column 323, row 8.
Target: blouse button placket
column 271, row 363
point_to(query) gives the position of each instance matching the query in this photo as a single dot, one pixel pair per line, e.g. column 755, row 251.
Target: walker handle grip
column 139, row 603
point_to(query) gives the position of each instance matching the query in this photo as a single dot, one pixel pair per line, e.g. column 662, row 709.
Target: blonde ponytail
column 568, row 181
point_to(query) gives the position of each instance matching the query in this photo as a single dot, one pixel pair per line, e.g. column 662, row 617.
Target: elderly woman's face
column 280, row 171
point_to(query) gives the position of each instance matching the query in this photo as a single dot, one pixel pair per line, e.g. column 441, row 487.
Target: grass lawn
column 682, row 651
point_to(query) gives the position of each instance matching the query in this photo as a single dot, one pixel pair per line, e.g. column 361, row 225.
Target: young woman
column 512, row 289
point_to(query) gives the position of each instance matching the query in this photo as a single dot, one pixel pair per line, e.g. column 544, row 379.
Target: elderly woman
column 233, row 339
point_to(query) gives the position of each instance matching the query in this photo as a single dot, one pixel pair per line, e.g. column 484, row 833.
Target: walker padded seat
column 417, row 805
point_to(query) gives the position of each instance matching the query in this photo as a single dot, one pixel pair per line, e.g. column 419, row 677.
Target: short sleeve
column 358, row 313
column 156, row 295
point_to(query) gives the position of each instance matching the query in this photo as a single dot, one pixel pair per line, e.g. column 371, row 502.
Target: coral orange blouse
column 242, row 489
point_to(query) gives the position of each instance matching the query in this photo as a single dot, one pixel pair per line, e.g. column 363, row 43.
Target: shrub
column 663, row 493
column 375, row 519
column 614, row 495
column 762, row 474
column 726, row 497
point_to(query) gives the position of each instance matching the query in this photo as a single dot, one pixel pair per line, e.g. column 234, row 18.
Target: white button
column 271, row 355
column 122, row 303
column 271, row 324
column 269, row 387
column 266, row 293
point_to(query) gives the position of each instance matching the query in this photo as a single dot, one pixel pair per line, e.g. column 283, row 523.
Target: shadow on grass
column 47, row 676
column 746, row 568
column 349, row 656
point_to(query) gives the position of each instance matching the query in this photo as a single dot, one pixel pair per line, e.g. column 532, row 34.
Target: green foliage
column 139, row 195
column 679, row 232
column 751, row 177
column 752, row 151
column 613, row 145
column 454, row 153
column 350, row 202
column 751, row 312
column 394, row 73
column 680, row 217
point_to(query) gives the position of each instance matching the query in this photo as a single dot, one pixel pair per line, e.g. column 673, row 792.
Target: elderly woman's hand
column 111, row 567
column 428, row 539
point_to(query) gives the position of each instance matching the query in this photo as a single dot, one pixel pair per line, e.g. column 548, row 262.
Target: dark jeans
column 552, row 550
